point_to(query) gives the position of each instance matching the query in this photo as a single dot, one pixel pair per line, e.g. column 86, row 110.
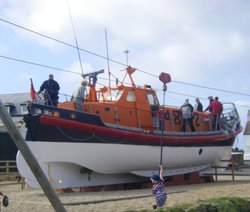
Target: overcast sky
column 199, row 42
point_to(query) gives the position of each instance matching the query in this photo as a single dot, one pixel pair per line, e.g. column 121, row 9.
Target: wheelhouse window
column 115, row 95
column 152, row 99
column 130, row 96
column 110, row 95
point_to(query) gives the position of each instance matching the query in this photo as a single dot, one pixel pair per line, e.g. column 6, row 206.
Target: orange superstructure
column 134, row 107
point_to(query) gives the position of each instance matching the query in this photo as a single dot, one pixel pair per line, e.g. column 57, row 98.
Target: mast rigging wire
column 100, row 56
column 72, row 72
column 73, row 27
column 37, row 64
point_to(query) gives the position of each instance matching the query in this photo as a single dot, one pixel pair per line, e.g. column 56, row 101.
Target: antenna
column 107, row 49
column 78, row 51
column 126, row 52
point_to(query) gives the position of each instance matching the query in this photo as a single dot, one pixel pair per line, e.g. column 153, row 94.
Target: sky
column 198, row 42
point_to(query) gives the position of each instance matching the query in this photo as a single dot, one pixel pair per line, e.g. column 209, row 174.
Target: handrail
column 230, row 119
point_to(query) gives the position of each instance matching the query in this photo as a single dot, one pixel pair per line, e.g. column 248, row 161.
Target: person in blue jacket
column 51, row 90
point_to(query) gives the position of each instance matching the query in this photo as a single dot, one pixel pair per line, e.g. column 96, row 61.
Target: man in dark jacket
column 51, row 89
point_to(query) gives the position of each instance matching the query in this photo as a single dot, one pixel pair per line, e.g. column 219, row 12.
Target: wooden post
column 233, row 166
column 7, row 169
column 22, row 183
column 31, row 160
column 216, row 174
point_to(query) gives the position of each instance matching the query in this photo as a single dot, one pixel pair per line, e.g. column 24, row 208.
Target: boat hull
column 77, row 149
column 64, row 163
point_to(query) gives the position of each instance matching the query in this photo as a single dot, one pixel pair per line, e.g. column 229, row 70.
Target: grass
column 223, row 204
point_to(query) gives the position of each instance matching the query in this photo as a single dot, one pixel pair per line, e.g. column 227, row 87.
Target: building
column 16, row 105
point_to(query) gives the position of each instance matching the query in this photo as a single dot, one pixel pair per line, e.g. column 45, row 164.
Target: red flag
column 32, row 91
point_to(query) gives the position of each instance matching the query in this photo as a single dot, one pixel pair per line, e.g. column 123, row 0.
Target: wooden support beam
column 31, row 160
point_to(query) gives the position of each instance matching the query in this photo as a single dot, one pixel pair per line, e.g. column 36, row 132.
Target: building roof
column 16, row 99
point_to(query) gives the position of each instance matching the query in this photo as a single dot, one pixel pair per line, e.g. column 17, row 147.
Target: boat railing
column 230, row 119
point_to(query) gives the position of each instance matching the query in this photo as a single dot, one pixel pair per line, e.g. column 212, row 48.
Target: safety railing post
column 233, row 166
column 7, row 169
column 216, row 173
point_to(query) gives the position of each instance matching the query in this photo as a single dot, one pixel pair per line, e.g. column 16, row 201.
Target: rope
column 104, row 141
column 90, row 137
column 76, row 139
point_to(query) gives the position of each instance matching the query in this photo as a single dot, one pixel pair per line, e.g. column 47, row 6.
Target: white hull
column 114, row 163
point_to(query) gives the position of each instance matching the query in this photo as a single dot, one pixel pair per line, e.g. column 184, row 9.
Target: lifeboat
column 121, row 136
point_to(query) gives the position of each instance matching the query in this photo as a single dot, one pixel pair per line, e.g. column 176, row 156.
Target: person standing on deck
column 187, row 116
column 51, row 89
column 216, row 109
column 79, row 95
column 198, row 105
column 211, row 99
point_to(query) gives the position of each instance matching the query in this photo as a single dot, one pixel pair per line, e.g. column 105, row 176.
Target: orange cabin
column 135, row 107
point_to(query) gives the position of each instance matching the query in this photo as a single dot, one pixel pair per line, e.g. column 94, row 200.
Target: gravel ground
column 34, row 199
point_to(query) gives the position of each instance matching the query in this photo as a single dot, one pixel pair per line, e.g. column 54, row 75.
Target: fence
column 9, row 172
column 232, row 169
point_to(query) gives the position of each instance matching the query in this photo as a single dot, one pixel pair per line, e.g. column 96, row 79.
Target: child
column 158, row 189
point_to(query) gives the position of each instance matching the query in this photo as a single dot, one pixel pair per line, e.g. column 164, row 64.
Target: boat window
column 131, row 96
column 114, row 95
column 152, row 99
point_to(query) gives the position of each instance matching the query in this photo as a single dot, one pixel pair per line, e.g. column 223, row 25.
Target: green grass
column 223, row 204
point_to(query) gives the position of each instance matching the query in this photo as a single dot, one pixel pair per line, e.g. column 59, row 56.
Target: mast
column 107, row 50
